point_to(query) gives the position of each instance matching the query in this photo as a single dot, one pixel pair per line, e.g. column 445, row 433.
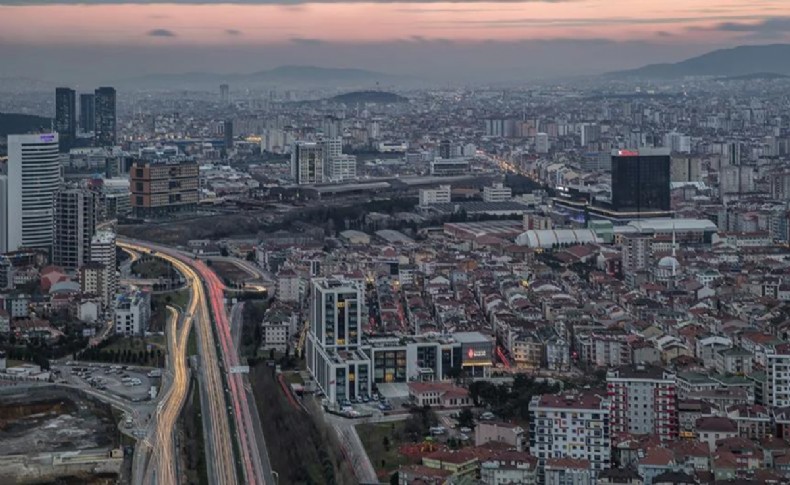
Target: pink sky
column 663, row 21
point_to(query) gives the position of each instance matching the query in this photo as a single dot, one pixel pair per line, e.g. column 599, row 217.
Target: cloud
column 306, row 41
column 664, row 33
column 587, row 22
column 257, row 2
column 160, row 33
column 769, row 25
column 232, row 32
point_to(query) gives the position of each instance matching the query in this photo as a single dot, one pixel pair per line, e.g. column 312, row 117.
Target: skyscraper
column 640, row 180
column 444, row 149
column 27, row 192
column 307, row 162
column 228, row 133
column 75, row 224
column 105, row 130
column 66, row 117
column 87, row 113
column 224, row 93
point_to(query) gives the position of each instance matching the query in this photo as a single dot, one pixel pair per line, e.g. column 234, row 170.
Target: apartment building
column 643, row 401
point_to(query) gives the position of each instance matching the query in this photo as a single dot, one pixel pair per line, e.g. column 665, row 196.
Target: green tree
column 466, row 419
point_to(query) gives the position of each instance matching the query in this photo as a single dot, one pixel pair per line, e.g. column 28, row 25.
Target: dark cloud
column 769, row 25
column 232, row 32
column 306, row 41
column 664, row 33
column 160, row 33
column 588, row 22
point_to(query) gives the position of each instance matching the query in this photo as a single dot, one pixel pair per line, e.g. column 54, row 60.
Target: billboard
column 477, row 354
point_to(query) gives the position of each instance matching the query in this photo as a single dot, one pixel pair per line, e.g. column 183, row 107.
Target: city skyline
column 588, row 35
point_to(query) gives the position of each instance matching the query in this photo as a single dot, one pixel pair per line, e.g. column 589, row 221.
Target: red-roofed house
column 561, row 471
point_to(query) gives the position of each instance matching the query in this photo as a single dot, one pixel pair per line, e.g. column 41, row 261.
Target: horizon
column 69, row 41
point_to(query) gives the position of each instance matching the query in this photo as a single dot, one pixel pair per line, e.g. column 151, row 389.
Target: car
column 365, row 399
column 463, row 437
column 465, row 430
column 488, row 415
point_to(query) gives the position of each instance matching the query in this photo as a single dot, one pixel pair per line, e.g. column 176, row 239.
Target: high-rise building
column 643, row 401
column 636, row 252
column 333, row 127
column 307, row 162
column 163, row 187
column 542, row 143
column 227, row 132
column 777, row 370
column 76, row 212
column 224, row 94
column 87, row 113
column 445, row 149
column 66, row 117
column 640, row 180
column 103, row 252
column 734, row 153
column 27, row 192
column 590, row 132
column 685, row 169
column 332, row 347
column 570, row 426
column 342, row 168
column 497, row 192
column 105, row 128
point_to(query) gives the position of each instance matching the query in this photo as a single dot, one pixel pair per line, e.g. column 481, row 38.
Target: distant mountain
column 757, row 76
column 738, row 61
column 15, row 123
column 363, row 97
column 302, row 75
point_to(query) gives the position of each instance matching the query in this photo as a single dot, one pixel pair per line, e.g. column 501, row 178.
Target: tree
column 386, row 443
column 466, row 419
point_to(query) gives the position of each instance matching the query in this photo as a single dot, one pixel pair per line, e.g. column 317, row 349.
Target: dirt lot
column 208, row 227
column 53, row 419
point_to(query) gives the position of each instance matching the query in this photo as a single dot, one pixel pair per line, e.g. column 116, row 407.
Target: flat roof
column 471, row 337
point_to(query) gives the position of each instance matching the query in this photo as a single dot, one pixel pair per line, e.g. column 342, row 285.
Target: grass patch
column 229, row 272
column 381, row 441
column 152, row 268
column 159, row 302
column 195, row 448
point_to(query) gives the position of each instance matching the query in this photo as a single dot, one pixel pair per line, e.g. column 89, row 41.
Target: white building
column 542, row 143
column 439, row 195
column 27, row 192
column 103, row 252
column 497, row 193
column 644, row 401
column 571, row 426
column 132, row 313
column 278, row 329
column 289, row 286
column 342, row 168
column 307, row 162
column 777, row 367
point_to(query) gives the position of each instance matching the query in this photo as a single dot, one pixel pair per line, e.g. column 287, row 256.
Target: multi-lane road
column 209, row 297
column 219, row 438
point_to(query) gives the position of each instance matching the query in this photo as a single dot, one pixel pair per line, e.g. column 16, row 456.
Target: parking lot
column 128, row 382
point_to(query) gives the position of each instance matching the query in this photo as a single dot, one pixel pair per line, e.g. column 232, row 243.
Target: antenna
column 674, row 259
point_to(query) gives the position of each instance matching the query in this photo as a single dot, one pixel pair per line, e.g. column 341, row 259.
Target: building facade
column 76, row 212
column 161, row 188
column 27, row 214
column 307, row 163
column 103, row 252
column 105, row 118
column 132, row 313
column 66, row 117
column 640, row 180
column 643, row 401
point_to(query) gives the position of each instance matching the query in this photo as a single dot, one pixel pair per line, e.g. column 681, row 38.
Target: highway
column 218, row 439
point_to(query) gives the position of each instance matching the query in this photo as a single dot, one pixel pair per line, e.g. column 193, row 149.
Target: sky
column 91, row 41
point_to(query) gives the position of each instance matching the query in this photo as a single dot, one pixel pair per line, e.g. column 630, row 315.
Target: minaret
column 674, row 257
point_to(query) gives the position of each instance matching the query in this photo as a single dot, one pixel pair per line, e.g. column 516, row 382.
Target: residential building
column 506, row 467
column 66, row 117
column 76, row 212
column 501, row 432
column 27, row 192
column 132, row 313
column 643, row 401
column 105, row 118
column 568, row 471
column 542, row 143
column 163, row 187
column 777, row 368
column 307, row 163
column 332, row 346
column 438, row 195
column 636, row 252
column 102, row 251
column 289, row 286
column 734, row 360
column 714, row 428
column 439, row 394
column 571, row 426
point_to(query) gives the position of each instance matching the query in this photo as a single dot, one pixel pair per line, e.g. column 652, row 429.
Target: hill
column 301, row 75
column 738, row 61
column 15, row 123
column 363, row 97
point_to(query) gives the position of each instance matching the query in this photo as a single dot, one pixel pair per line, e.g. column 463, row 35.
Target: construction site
column 52, row 434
